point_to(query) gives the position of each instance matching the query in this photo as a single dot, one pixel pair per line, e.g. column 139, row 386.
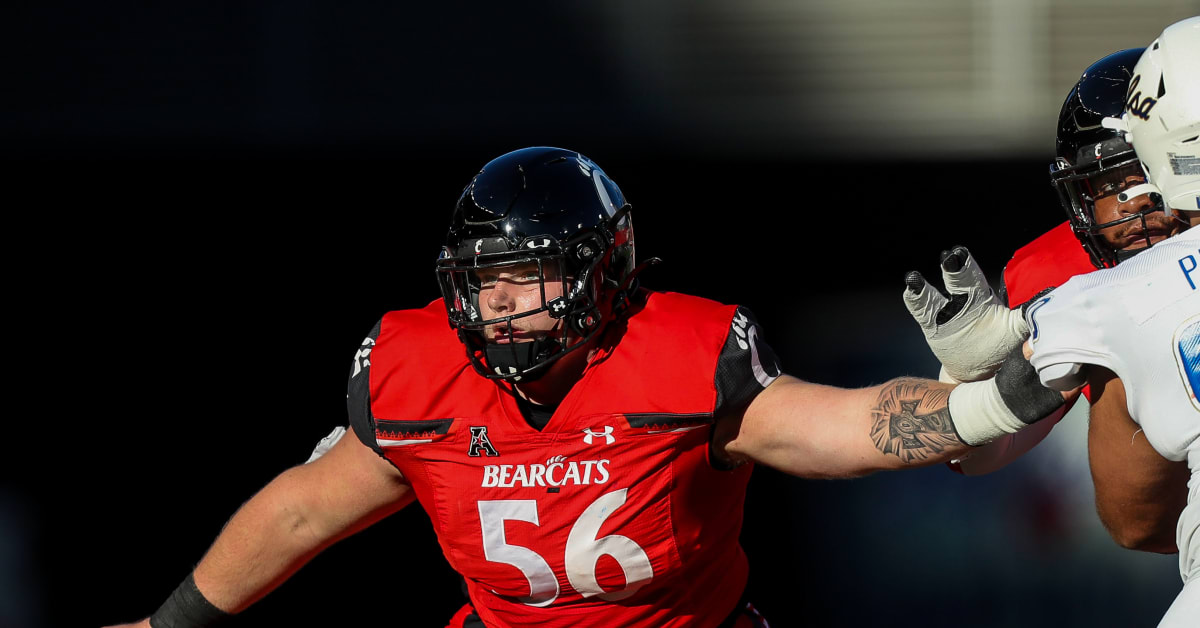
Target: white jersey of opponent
column 1141, row 320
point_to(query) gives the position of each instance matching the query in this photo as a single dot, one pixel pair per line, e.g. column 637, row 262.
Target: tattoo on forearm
column 912, row 421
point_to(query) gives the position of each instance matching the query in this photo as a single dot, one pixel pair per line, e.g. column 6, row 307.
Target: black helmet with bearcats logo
column 554, row 208
column 1094, row 160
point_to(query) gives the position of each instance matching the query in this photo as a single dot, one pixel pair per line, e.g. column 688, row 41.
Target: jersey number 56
column 583, row 549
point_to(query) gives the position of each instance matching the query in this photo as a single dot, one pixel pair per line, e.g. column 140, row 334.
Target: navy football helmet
column 556, row 209
column 1094, row 160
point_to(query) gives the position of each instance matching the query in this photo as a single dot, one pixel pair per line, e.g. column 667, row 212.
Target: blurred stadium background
column 210, row 204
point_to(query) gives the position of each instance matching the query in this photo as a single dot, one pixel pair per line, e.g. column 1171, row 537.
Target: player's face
column 1130, row 235
column 508, row 290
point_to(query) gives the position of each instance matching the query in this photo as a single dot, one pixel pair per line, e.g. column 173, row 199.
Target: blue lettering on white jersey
column 1187, row 264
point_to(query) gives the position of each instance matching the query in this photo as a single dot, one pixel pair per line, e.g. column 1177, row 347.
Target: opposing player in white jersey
column 1133, row 331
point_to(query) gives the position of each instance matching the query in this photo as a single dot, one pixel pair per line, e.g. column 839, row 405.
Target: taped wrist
column 979, row 413
column 187, row 607
column 1014, row 398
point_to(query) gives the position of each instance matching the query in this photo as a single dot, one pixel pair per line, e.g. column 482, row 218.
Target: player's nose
column 500, row 299
column 1136, row 204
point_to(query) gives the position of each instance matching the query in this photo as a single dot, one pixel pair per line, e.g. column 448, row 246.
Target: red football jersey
column 613, row 514
column 1048, row 261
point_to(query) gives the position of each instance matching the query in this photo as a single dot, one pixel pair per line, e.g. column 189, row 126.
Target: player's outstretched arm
column 819, row 431
column 1139, row 494
column 299, row 513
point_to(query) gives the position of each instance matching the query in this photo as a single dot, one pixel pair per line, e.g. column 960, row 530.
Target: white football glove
column 970, row 332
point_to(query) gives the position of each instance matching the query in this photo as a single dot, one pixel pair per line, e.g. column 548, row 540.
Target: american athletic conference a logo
column 480, row 444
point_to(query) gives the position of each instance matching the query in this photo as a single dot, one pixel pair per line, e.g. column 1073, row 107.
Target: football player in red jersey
column 1095, row 175
column 581, row 445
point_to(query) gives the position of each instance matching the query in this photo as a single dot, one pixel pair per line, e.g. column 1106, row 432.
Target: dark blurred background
column 210, row 204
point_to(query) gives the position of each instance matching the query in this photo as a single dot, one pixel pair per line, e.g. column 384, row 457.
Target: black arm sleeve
column 746, row 364
column 358, row 393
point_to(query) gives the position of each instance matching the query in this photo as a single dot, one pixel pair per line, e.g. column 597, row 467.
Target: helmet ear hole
column 583, row 323
column 585, row 252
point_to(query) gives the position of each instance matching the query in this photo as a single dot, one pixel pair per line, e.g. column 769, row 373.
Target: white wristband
column 979, row 413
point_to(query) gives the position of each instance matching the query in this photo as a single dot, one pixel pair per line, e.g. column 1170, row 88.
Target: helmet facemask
column 1092, row 157
column 572, row 282
column 557, row 213
column 1108, row 168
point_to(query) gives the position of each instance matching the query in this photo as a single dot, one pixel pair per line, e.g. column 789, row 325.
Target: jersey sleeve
column 1059, row 331
column 358, row 393
column 745, row 366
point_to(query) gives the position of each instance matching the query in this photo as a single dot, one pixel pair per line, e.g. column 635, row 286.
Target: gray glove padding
column 970, row 331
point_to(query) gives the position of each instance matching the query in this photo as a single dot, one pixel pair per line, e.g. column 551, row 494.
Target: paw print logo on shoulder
column 745, row 334
column 362, row 357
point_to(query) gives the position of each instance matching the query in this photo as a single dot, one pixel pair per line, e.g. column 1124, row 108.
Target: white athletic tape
column 979, row 413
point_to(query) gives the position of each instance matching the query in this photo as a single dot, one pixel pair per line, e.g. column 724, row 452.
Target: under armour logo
column 558, row 305
column 479, row 441
column 538, row 244
column 512, row 370
column 607, row 434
